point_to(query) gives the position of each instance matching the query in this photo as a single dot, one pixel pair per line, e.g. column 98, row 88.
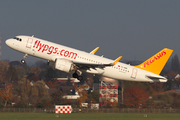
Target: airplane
column 75, row 61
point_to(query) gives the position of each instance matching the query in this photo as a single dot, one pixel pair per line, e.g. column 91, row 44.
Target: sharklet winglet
column 94, row 51
column 116, row 61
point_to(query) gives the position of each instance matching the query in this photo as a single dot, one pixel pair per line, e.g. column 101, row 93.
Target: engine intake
column 63, row 65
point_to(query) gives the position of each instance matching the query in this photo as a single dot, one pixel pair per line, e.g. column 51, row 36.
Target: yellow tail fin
column 156, row 63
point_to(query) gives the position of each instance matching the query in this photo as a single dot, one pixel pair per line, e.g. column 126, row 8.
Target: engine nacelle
column 63, row 65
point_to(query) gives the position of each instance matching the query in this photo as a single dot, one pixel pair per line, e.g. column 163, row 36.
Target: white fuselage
column 50, row 51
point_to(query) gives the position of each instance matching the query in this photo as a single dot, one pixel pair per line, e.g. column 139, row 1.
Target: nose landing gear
column 23, row 60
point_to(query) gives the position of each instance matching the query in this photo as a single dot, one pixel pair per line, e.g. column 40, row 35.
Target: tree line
column 28, row 87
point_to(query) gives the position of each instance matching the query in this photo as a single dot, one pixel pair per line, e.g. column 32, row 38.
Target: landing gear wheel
column 80, row 78
column 22, row 61
column 75, row 75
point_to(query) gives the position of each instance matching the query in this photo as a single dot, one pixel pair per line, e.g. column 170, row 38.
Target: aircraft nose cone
column 8, row 42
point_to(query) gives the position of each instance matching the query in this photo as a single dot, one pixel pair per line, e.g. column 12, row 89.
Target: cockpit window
column 19, row 39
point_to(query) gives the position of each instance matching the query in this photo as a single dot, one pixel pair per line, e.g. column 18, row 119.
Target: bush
column 21, row 104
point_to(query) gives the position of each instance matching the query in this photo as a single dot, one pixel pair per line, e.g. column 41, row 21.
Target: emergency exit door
column 134, row 73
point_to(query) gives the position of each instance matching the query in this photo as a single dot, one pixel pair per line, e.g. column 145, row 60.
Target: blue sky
column 135, row 29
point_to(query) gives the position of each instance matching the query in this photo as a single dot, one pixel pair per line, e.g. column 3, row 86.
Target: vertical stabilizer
column 156, row 63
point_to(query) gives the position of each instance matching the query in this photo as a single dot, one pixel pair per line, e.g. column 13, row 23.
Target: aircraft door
column 29, row 48
column 134, row 73
column 29, row 43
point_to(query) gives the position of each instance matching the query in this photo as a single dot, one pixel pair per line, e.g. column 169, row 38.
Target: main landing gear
column 75, row 75
column 23, row 60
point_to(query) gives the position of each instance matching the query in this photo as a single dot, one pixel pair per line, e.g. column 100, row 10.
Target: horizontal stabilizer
column 157, row 78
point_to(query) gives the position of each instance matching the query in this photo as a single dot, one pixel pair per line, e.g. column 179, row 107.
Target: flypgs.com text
column 53, row 50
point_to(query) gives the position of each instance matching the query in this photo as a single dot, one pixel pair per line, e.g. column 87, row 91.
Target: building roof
column 170, row 91
column 65, row 79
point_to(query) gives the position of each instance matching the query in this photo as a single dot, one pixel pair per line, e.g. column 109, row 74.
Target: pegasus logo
column 154, row 58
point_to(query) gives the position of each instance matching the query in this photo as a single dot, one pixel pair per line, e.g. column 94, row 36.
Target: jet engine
column 63, row 65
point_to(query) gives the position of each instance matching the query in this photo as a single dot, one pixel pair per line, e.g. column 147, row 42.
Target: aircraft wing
column 87, row 66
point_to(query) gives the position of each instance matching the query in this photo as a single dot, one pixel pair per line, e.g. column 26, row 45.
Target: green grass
column 88, row 116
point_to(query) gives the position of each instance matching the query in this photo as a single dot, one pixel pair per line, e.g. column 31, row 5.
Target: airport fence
column 88, row 110
column 33, row 110
column 130, row 110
